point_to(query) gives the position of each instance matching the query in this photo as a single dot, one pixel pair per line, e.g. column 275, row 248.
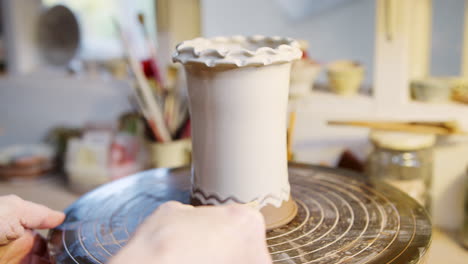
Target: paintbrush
column 151, row 49
column 151, row 106
column 183, row 118
column 146, row 114
column 290, row 134
column 169, row 104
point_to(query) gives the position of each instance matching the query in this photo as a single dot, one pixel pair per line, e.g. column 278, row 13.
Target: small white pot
column 434, row 90
column 303, row 75
column 345, row 77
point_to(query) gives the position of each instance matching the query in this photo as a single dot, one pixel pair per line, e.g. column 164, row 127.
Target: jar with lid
column 404, row 160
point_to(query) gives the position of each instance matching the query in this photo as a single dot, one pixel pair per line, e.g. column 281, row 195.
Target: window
column 100, row 40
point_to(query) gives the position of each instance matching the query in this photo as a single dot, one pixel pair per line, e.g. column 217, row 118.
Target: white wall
column 346, row 31
column 31, row 105
column 447, row 37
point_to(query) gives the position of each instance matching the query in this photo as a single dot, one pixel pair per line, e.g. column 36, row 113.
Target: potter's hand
column 18, row 242
column 178, row 233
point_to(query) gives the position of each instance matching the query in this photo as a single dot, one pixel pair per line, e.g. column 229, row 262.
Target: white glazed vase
column 238, row 93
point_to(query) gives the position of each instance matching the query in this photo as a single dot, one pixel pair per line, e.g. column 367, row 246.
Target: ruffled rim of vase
column 238, row 51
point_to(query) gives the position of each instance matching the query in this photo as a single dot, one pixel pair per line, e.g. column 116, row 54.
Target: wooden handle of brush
column 290, row 135
column 415, row 127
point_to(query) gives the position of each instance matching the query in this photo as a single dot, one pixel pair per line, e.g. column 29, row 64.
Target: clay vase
column 238, row 95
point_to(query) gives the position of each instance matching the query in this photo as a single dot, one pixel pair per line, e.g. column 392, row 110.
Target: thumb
column 36, row 216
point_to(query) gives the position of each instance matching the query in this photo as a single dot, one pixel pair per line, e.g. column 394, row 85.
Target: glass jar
column 403, row 160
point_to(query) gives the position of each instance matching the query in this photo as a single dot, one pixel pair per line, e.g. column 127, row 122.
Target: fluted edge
column 219, row 51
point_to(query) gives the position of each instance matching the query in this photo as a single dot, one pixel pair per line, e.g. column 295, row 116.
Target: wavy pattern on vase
column 216, row 199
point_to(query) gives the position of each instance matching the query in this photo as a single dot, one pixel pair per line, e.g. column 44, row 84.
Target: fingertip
column 36, row 216
column 53, row 219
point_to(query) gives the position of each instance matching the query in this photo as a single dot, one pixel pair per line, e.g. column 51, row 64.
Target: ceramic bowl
column 345, row 77
column 434, row 90
column 303, row 75
column 460, row 90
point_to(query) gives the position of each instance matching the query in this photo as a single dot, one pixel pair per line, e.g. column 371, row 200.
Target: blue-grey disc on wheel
column 342, row 218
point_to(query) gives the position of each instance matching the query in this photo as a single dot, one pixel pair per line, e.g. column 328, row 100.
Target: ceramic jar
column 435, row 90
column 303, row 75
column 345, row 77
column 171, row 154
column 238, row 95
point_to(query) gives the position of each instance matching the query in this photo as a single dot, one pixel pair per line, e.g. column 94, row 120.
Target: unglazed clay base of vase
column 274, row 216
column 341, row 218
column 238, row 96
column 279, row 216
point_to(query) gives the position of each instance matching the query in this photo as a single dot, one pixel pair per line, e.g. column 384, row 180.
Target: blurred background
column 382, row 89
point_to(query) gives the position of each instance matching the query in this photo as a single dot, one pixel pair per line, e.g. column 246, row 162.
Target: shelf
column 449, row 107
column 326, row 102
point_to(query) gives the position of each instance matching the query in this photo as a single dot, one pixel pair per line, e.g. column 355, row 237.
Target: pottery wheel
column 341, row 219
